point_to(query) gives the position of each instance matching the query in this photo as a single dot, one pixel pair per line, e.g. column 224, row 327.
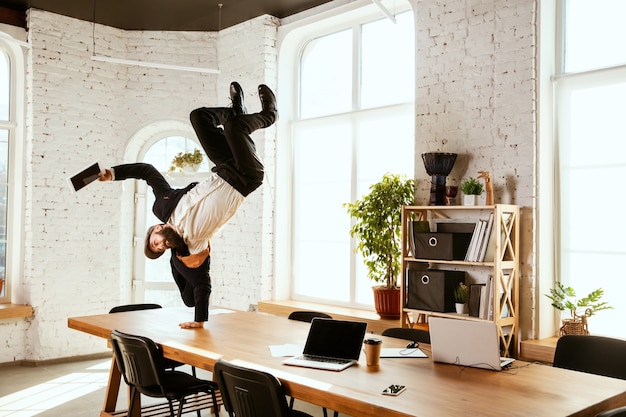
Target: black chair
column 407, row 333
column 167, row 363
column 592, row 354
column 139, row 361
column 616, row 412
column 308, row 316
column 251, row 393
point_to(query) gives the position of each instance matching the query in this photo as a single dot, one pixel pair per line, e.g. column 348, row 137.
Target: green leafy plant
column 184, row 159
column 377, row 226
column 564, row 298
column 472, row 187
column 460, row 293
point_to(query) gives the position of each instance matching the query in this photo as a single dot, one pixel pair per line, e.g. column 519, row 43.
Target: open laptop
column 333, row 345
column 467, row 343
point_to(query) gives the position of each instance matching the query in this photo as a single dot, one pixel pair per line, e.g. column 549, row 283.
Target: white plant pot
column 470, row 199
column 460, row 308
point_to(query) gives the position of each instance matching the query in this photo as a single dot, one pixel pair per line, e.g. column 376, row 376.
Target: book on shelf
column 472, row 244
column 487, row 236
column 505, row 221
column 490, row 290
column 476, row 292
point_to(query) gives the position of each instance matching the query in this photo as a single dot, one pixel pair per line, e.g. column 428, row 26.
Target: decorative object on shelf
column 471, row 189
column 460, row 297
column 564, row 298
column 438, row 165
column 488, row 186
column 1, row 284
column 377, row 229
column 451, row 192
column 187, row 161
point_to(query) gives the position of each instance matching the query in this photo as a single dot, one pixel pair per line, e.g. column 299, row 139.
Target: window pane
column 387, row 64
column 4, row 139
column 592, row 170
column 321, row 185
column 4, row 86
column 326, row 74
column 594, row 34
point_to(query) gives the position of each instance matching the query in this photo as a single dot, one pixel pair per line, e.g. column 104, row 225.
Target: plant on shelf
column 184, row 160
column 460, row 293
column 472, row 187
column 564, row 299
column 377, row 229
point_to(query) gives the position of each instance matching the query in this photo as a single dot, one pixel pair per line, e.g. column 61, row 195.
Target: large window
column 591, row 105
column 354, row 123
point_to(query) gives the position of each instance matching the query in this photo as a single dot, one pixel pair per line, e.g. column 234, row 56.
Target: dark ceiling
column 174, row 15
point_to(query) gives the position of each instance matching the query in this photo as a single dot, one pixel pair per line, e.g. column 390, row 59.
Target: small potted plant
column 460, row 297
column 377, row 226
column 187, row 161
column 564, row 298
column 471, row 189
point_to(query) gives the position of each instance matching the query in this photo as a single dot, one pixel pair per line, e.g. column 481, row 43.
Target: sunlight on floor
column 42, row 397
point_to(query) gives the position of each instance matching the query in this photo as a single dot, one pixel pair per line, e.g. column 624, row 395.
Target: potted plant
column 377, row 229
column 564, row 298
column 471, row 189
column 460, row 297
column 187, row 161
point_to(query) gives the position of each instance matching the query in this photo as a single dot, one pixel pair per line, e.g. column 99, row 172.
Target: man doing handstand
column 192, row 215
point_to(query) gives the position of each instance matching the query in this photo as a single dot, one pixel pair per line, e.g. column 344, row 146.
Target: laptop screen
column 335, row 338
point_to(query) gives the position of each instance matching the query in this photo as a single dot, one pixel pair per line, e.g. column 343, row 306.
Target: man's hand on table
column 191, row 325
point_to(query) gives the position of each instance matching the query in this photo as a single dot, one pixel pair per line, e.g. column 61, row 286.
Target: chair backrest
column 307, row 316
column 134, row 307
column 407, row 333
column 137, row 358
column 592, row 354
column 250, row 393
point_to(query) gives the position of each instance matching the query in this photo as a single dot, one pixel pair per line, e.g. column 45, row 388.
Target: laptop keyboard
column 324, row 359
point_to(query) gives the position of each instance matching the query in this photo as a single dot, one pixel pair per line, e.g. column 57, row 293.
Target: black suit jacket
column 194, row 284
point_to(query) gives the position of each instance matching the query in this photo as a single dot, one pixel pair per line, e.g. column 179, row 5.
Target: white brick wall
column 475, row 97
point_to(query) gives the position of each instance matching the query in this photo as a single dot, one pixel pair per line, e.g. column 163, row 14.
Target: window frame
column 16, row 151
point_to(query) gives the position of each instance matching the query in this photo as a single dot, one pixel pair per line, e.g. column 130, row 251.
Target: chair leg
column 291, row 403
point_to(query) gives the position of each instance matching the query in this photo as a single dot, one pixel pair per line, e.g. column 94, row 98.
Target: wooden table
column 433, row 389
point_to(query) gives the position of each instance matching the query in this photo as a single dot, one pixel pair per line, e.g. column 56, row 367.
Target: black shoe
column 268, row 100
column 236, row 97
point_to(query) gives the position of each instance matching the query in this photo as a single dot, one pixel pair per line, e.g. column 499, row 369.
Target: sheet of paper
column 289, row 349
column 402, row 353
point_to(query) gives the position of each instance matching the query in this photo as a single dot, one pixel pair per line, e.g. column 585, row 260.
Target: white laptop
column 332, row 345
column 466, row 342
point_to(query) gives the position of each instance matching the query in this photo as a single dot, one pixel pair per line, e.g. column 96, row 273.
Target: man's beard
column 173, row 239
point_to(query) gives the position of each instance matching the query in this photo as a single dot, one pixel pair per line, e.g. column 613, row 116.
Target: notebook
column 332, row 345
column 84, row 177
column 466, row 342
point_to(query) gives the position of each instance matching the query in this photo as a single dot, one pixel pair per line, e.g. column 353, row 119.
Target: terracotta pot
column 387, row 302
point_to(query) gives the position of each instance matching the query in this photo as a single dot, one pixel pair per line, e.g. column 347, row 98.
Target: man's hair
column 146, row 249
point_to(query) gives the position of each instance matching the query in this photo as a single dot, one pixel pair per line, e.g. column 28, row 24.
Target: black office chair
column 250, row 393
column 139, row 361
column 616, row 412
column 407, row 333
column 167, row 363
column 308, row 316
column 592, row 354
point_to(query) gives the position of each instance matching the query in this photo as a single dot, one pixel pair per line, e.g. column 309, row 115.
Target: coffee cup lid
column 372, row 341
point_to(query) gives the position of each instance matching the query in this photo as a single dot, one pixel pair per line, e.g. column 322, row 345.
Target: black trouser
column 231, row 148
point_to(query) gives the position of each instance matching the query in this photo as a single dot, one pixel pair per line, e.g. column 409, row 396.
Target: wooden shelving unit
column 504, row 267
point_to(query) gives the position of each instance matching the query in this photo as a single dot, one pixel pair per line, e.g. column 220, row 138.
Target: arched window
column 353, row 122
